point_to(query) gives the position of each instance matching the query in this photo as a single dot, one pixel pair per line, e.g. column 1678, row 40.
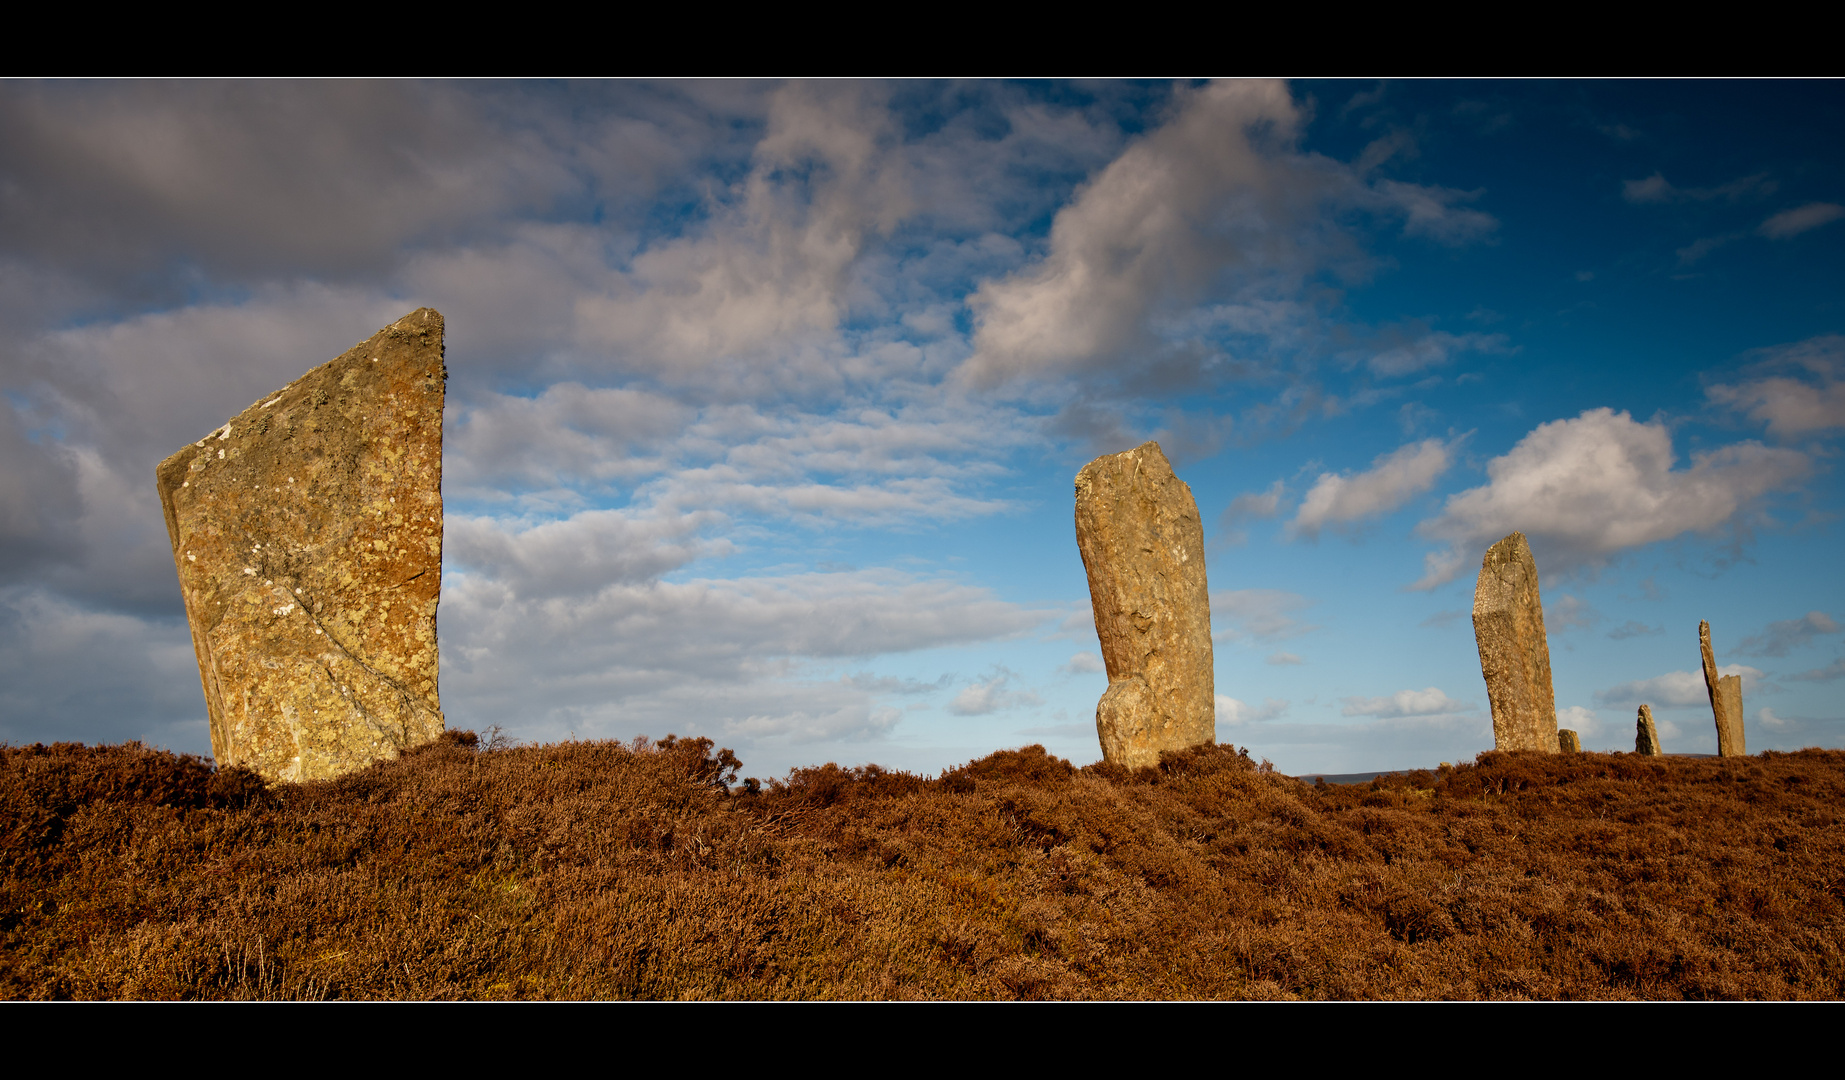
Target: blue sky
column 766, row 399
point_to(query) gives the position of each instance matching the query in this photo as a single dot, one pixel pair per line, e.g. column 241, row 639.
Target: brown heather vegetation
column 603, row 870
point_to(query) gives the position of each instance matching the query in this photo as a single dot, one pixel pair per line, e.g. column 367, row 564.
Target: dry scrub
column 603, row 870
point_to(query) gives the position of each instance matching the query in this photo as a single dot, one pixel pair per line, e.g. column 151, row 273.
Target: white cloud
column 1436, row 213
column 1283, row 659
column 1249, row 506
column 1792, row 404
column 1678, row 688
column 1587, row 488
column 1431, row 350
column 992, row 694
column 1157, row 221
column 1767, row 718
column 1566, row 612
column 579, row 555
column 1234, row 713
column 1834, row 670
column 1801, row 219
column 1258, row 614
column 1214, row 207
column 1083, row 663
column 1426, row 702
column 1393, row 479
column 1657, row 189
column 1582, row 721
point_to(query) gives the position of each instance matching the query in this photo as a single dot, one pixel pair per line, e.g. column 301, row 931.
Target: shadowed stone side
column 1508, row 624
column 1142, row 543
column 308, row 537
column 1646, row 735
column 1568, row 742
column 1725, row 700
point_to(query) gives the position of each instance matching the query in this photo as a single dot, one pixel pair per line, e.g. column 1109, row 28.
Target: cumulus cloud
column 1429, row 701
column 1789, row 223
column 1793, row 389
column 1788, row 634
column 1216, row 206
column 1083, row 663
column 1678, row 688
column 1587, row 488
column 1580, row 720
column 1234, row 713
column 1392, row 480
column 1258, row 615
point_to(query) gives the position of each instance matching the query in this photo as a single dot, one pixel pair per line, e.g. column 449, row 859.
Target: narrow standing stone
column 1725, row 700
column 1568, row 742
column 1646, row 735
column 1142, row 543
column 308, row 537
column 1508, row 625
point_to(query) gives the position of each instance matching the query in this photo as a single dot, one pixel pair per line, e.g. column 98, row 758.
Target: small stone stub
column 308, row 537
column 1142, row 543
column 1508, row 625
column 1568, row 742
column 1646, row 734
column 1726, row 704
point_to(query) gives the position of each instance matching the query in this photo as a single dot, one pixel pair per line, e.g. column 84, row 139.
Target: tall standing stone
column 1646, row 734
column 308, row 537
column 1142, row 542
column 1508, row 624
column 1725, row 700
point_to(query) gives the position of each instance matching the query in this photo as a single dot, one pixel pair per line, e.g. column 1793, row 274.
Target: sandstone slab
column 308, row 536
column 1142, row 543
column 1646, row 734
column 1568, row 742
column 1726, row 703
column 1508, row 625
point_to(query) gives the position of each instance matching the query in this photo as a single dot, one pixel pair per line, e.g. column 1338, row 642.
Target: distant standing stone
column 308, row 536
column 1726, row 702
column 1508, row 625
column 1568, row 742
column 1142, row 542
column 1646, row 735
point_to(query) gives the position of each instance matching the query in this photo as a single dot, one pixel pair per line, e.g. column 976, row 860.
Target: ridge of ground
column 645, row 870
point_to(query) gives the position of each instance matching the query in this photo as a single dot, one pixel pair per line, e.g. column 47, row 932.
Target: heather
column 647, row 870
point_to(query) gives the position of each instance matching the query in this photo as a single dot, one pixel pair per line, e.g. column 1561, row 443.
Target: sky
column 766, row 400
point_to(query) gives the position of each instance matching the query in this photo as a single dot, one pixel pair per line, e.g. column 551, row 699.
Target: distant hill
column 609, row 870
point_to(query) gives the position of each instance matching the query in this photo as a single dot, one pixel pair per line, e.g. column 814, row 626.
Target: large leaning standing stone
column 1725, row 700
column 1646, row 734
column 1142, row 543
column 1508, row 624
column 308, row 536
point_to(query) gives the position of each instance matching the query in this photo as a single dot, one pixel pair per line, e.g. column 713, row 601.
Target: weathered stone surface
column 1646, row 734
column 1142, row 543
column 1568, row 742
column 308, row 537
column 1508, row 625
column 1725, row 700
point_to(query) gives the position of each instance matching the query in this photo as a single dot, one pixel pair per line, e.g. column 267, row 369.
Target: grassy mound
column 608, row 870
